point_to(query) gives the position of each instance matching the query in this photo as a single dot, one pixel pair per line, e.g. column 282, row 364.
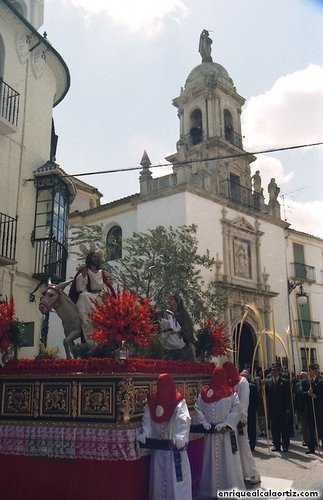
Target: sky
column 129, row 59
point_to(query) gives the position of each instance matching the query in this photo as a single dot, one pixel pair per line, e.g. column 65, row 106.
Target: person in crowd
column 261, row 419
column 241, row 386
column 218, row 408
column 89, row 281
column 252, row 410
column 300, row 406
column 313, row 389
column 279, row 407
column 176, row 306
column 167, row 419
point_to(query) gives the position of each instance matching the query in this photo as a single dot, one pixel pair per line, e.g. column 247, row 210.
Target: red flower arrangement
column 126, row 317
column 7, row 312
column 11, row 330
column 212, row 340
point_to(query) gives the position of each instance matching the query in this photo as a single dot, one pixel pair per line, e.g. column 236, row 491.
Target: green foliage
column 16, row 334
column 161, row 262
column 87, row 238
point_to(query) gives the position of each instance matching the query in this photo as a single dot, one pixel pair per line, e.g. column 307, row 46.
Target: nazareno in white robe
column 221, row 468
column 248, row 462
column 162, row 480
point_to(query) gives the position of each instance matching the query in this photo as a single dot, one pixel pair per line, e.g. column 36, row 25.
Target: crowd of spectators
column 286, row 405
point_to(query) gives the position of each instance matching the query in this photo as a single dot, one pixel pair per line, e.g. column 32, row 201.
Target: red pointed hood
column 163, row 402
column 232, row 373
column 218, row 387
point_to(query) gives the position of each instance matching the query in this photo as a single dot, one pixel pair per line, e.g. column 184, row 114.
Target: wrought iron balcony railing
column 231, row 136
column 301, row 271
column 50, row 260
column 8, row 239
column 308, row 329
column 9, row 103
column 238, row 194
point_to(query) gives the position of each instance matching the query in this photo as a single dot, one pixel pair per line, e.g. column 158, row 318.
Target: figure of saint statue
column 256, row 182
column 205, row 46
column 273, row 191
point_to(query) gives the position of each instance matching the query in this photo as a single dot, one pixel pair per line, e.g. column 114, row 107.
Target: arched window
column 228, row 126
column 196, row 130
column 114, row 243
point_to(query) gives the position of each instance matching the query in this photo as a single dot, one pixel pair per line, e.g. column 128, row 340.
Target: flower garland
column 126, row 317
column 102, row 366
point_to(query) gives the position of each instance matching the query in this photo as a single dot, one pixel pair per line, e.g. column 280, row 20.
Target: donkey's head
column 51, row 296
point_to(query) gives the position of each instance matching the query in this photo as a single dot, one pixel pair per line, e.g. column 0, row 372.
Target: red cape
column 74, row 294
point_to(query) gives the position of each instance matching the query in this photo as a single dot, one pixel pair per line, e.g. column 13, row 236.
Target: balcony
column 8, row 240
column 50, row 260
column 308, row 329
column 238, row 194
column 231, row 136
column 300, row 271
column 9, row 108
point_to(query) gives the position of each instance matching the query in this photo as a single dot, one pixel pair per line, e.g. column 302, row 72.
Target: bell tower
column 210, row 152
column 209, row 108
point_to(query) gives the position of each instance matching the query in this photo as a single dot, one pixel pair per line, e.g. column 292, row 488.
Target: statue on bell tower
column 205, row 47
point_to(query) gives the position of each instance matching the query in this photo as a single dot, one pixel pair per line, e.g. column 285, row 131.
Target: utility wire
column 226, row 157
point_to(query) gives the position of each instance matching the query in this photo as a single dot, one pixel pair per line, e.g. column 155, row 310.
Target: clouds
column 305, row 217
column 290, row 113
column 145, row 17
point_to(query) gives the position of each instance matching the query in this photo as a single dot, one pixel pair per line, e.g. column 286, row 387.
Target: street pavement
column 293, row 470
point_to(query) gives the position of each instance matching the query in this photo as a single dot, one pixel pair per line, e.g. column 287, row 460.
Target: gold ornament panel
column 110, row 399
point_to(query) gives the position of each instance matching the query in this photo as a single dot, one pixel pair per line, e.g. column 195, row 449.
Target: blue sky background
column 128, row 60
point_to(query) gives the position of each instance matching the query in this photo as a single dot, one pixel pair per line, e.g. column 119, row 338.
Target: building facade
column 258, row 257
column 34, row 194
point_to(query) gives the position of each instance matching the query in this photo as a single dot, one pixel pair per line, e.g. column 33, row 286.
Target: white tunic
column 221, row 468
column 85, row 303
column 163, row 484
column 247, row 460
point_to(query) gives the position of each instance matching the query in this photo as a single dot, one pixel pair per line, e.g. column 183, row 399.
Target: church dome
column 208, row 72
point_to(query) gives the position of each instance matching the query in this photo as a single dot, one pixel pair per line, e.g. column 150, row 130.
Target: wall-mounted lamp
column 32, row 296
column 301, row 295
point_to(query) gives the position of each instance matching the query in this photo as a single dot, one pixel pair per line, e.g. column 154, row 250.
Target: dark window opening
column 29, row 331
column 114, row 243
column 196, row 130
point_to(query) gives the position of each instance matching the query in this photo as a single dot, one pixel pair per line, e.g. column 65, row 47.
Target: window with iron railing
column 9, row 103
column 231, row 136
column 49, row 236
column 237, row 193
column 8, row 238
column 308, row 329
column 301, row 271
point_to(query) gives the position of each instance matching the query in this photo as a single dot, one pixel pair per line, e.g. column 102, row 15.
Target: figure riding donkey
column 89, row 281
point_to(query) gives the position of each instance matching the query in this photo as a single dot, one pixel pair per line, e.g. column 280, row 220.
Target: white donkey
column 54, row 298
